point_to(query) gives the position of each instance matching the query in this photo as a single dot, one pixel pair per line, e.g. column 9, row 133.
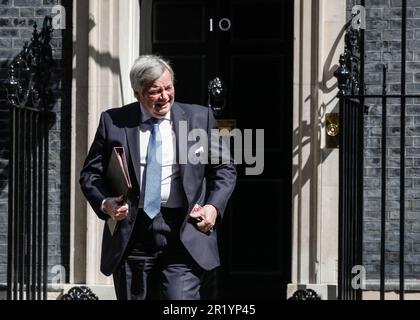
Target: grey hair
column 147, row 69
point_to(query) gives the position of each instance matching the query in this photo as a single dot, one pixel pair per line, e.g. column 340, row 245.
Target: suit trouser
column 156, row 264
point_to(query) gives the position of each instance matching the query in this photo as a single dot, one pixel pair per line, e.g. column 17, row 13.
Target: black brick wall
column 383, row 45
column 17, row 18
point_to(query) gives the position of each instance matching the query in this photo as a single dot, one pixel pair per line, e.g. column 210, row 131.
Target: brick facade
column 383, row 46
column 17, row 18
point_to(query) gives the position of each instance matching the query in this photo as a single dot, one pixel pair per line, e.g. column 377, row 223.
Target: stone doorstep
column 411, row 285
column 329, row 292
column 375, row 295
column 106, row 292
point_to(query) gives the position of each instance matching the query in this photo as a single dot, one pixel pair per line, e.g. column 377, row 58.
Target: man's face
column 158, row 97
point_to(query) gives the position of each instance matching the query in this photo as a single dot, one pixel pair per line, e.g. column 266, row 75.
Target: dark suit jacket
column 203, row 184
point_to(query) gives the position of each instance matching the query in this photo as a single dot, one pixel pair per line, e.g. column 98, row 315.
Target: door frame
column 146, row 7
column 318, row 33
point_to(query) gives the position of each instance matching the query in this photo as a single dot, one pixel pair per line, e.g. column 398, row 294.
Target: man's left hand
column 206, row 218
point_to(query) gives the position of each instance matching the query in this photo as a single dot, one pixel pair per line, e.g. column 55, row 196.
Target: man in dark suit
column 166, row 237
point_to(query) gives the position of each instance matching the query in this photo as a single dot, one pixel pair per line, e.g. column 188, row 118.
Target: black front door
column 249, row 45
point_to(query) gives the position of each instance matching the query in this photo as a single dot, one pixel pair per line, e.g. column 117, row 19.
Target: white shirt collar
column 146, row 116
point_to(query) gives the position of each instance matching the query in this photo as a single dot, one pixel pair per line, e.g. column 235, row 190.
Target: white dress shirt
column 171, row 190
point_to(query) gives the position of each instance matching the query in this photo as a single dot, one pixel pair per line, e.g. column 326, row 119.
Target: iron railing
column 352, row 97
column 350, row 79
column 29, row 100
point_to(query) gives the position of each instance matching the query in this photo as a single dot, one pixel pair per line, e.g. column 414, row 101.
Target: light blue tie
column 152, row 196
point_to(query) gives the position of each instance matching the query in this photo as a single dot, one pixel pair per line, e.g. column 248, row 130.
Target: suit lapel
column 132, row 131
column 178, row 115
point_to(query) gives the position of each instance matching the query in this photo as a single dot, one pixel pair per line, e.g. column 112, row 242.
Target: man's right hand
column 114, row 208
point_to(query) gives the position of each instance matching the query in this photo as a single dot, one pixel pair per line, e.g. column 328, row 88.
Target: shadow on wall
column 304, row 135
column 309, row 133
column 83, row 53
column 103, row 59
